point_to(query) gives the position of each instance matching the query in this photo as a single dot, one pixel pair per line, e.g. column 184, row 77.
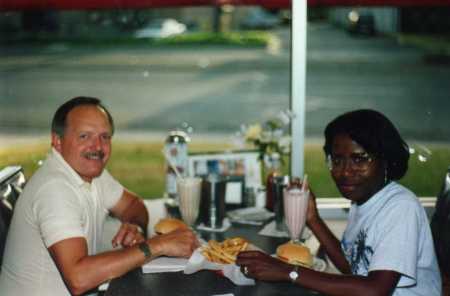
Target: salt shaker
column 177, row 149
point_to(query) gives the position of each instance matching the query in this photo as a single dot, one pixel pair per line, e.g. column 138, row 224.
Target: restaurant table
column 205, row 282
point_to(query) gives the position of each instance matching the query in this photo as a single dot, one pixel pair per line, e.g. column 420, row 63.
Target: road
column 216, row 89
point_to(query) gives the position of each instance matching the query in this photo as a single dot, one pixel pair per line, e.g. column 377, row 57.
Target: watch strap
column 145, row 249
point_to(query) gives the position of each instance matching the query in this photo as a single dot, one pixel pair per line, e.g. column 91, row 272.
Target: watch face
column 293, row 275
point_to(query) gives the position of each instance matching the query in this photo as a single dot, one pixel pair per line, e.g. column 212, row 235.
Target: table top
column 205, row 282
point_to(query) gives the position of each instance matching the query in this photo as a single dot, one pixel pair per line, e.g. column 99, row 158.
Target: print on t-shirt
column 358, row 253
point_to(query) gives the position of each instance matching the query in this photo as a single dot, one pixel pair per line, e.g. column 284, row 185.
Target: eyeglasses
column 357, row 162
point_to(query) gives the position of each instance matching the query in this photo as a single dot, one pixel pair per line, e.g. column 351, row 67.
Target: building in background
column 420, row 19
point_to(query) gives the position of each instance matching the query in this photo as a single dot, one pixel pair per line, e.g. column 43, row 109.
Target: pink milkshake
column 295, row 208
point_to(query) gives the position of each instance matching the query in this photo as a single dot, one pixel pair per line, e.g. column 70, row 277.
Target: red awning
column 117, row 4
column 122, row 4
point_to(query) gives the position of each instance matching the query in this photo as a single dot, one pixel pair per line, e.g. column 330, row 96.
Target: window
column 159, row 69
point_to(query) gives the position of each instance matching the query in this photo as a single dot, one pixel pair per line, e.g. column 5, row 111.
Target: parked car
column 259, row 19
column 361, row 23
column 161, row 28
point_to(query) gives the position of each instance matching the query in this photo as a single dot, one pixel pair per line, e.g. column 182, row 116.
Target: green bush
column 238, row 38
column 250, row 38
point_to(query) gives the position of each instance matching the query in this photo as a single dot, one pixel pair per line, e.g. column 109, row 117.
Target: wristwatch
column 145, row 249
column 293, row 275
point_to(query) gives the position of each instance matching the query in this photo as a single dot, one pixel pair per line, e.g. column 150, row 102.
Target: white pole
column 298, row 85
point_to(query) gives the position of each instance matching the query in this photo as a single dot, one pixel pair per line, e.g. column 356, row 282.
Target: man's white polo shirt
column 56, row 204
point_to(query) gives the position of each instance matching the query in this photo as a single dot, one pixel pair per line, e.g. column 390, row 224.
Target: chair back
column 440, row 226
column 5, row 219
column 12, row 180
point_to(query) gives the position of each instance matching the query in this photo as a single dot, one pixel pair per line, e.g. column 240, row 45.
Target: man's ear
column 56, row 142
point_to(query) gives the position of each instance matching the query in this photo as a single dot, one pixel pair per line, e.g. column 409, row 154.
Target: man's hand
column 178, row 243
column 127, row 236
column 131, row 209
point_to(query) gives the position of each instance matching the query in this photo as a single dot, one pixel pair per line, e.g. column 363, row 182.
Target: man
column 58, row 220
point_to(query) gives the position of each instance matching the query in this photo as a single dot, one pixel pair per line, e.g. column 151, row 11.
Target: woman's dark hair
column 376, row 134
column 59, row 121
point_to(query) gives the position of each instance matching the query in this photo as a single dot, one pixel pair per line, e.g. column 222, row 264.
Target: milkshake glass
column 295, row 209
column 189, row 192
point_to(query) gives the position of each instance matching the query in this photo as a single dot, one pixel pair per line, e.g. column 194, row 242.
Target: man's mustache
column 94, row 154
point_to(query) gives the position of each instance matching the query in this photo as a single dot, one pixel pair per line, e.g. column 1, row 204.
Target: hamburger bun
column 296, row 254
column 167, row 225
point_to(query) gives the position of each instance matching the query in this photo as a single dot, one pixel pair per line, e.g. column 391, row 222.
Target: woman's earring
column 385, row 175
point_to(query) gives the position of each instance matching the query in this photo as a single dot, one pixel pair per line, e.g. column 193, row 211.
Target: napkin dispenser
column 279, row 184
column 212, row 205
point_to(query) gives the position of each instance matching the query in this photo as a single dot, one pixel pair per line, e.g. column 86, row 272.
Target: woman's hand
column 312, row 215
column 256, row 264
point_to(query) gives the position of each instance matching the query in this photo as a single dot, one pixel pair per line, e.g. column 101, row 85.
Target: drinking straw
column 305, row 180
column 171, row 164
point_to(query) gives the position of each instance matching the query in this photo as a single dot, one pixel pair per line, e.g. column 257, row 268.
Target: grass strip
column 140, row 166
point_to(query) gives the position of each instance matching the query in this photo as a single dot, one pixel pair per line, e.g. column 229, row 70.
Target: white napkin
column 225, row 225
column 271, row 230
column 165, row 264
column 250, row 216
column 231, row 271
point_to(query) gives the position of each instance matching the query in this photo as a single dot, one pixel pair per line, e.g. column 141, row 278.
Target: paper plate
column 318, row 264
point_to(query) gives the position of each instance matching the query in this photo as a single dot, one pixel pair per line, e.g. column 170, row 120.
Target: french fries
column 224, row 252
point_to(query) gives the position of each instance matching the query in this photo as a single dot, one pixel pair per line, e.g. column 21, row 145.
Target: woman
column 387, row 247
